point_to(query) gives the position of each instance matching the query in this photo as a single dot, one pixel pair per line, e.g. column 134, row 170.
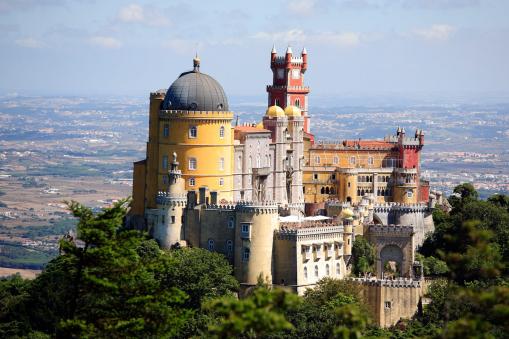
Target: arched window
column 370, row 161
column 358, row 192
column 229, row 246
column 221, row 164
column 338, row 269
column 193, row 132
column 250, row 163
column 316, row 271
column 231, row 222
column 211, row 244
column 297, row 103
column 317, row 159
column 327, row 270
column 332, row 190
column 166, row 130
column 352, row 160
column 192, row 181
column 327, row 191
column 270, row 160
column 258, row 161
column 322, row 190
column 221, row 181
column 305, row 273
column 277, row 103
column 193, row 164
column 221, row 132
column 245, row 254
column 336, row 160
column 239, row 162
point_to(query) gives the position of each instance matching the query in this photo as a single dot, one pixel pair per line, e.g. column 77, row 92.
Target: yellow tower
column 191, row 120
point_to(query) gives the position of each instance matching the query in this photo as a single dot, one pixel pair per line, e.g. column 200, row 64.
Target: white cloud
column 131, row 13
column 338, row 39
column 435, row 32
column 30, row 43
column 105, row 41
column 302, row 7
column 148, row 16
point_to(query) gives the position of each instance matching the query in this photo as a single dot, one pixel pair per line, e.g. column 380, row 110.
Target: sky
column 355, row 47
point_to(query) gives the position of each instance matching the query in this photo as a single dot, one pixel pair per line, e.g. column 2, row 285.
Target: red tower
column 287, row 87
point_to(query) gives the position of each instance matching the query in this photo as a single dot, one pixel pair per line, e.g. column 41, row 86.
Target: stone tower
column 167, row 225
column 287, row 87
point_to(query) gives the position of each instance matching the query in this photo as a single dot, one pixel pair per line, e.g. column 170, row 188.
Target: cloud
column 105, row 41
column 435, row 32
column 338, row 39
column 302, row 7
column 30, row 43
column 144, row 15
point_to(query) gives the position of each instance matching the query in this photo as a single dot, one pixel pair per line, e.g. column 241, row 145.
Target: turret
column 170, row 205
column 273, row 54
column 288, row 58
column 304, row 55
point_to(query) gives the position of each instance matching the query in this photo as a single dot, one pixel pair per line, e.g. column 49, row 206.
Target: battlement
column 293, row 230
column 400, row 230
column 400, row 207
column 214, row 115
column 159, row 94
column 165, row 198
column 289, row 88
column 394, row 283
column 245, row 207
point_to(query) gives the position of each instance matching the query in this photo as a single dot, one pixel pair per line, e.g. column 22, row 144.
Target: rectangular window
column 166, row 130
column 192, row 163
column 315, row 176
column 245, row 230
column 165, row 180
column 193, row 132
column 370, row 161
column 336, row 160
column 245, row 254
column 221, row 164
column 172, row 219
column 317, row 160
column 352, row 160
column 165, row 162
column 409, row 194
column 192, row 182
column 388, row 305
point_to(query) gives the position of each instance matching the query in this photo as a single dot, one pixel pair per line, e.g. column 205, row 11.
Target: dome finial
column 196, row 63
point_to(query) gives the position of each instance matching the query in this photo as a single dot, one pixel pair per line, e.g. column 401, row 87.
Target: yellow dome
column 292, row 111
column 347, row 213
column 275, row 111
column 259, row 125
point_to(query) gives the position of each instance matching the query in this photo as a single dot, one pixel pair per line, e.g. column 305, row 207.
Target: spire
column 289, row 50
column 196, row 63
column 273, row 49
column 304, row 51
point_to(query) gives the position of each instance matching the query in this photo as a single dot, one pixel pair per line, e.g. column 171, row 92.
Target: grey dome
column 195, row 91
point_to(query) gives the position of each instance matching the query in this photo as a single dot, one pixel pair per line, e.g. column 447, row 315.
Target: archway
column 391, row 261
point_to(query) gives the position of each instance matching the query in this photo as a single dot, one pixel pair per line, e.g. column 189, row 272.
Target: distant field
column 27, row 274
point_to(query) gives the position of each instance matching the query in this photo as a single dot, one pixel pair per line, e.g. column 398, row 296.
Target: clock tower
column 287, row 87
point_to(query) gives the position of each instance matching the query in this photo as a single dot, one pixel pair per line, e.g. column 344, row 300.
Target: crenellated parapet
column 401, row 207
column 173, row 200
column 308, row 230
column 395, row 230
column 393, row 283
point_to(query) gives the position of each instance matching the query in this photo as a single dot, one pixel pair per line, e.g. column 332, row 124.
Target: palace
column 277, row 203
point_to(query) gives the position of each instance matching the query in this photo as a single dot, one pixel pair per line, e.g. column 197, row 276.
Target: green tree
column 106, row 283
column 201, row 274
column 363, row 256
column 257, row 316
column 14, row 294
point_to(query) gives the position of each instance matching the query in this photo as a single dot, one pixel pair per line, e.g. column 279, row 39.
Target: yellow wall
column 319, row 173
column 207, row 148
